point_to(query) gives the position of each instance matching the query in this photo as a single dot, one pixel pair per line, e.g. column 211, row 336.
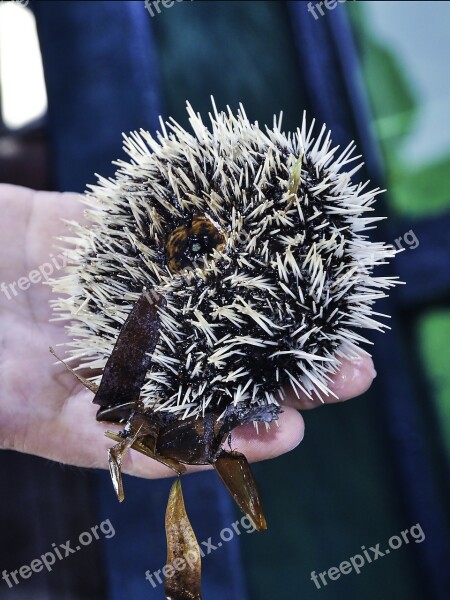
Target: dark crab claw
column 182, row 547
column 235, row 472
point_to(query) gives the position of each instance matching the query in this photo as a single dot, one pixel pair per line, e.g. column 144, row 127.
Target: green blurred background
column 404, row 54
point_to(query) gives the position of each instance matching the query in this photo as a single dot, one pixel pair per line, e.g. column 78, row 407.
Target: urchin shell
column 277, row 301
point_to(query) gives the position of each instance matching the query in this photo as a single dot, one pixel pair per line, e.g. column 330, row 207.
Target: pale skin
column 43, row 409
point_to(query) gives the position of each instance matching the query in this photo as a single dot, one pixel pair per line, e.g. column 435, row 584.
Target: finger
column 354, row 377
column 282, row 436
column 82, row 442
column 76, row 438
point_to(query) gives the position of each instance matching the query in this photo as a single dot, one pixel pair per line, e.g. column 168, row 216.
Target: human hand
column 43, row 409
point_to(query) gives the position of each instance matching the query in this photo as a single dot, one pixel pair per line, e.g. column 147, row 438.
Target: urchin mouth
column 187, row 245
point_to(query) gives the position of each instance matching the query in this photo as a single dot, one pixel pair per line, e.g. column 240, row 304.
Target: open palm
column 43, row 409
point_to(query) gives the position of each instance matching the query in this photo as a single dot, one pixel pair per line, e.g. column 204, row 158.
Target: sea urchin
column 218, row 266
